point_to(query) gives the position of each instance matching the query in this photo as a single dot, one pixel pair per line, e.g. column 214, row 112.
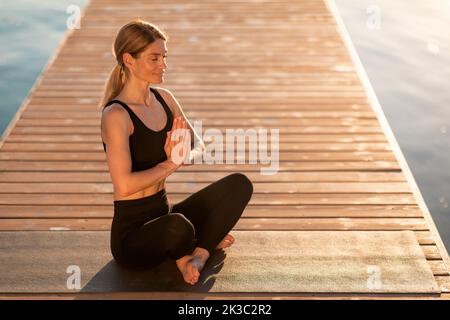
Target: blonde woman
column 138, row 129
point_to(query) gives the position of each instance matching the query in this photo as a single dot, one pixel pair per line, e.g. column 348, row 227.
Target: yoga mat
column 259, row 261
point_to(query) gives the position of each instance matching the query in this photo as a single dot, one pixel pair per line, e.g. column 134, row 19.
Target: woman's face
column 151, row 64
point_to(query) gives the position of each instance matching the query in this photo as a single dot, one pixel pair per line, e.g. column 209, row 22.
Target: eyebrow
column 157, row 54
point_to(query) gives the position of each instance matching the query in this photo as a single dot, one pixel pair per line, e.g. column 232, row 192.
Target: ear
column 128, row 60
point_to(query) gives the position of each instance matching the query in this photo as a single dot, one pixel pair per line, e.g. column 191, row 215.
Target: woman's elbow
column 123, row 189
column 123, row 192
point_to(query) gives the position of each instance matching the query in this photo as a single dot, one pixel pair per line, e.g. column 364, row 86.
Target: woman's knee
column 242, row 184
column 180, row 236
column 180, row 226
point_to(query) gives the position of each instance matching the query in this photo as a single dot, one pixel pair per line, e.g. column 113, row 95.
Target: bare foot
column 226, row 242
column 189, row 268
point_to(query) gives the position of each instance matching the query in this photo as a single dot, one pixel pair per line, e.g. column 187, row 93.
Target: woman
column 139, row 129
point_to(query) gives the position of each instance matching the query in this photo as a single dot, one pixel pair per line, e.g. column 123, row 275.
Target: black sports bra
column 146, row 145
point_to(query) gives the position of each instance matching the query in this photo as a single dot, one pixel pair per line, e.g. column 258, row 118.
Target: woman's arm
column 197, row 144
column 115, row 134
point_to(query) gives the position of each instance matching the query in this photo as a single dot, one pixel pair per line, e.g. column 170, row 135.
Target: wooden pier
column 232, row 64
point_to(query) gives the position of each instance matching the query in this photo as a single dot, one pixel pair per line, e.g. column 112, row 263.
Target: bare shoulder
column 170, row 99
column 114, row 116
column 114, row 112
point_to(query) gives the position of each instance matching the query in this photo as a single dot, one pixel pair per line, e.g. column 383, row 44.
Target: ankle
column 183, row 259
column 201, row 253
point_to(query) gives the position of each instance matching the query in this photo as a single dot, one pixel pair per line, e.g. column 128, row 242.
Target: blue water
column 404, row 47
column 30, row 31
column 405, row 50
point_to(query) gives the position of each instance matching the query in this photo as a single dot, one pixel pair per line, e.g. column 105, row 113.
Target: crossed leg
column 213, row 211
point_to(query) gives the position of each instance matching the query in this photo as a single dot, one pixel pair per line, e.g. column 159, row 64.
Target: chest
column 153, row 117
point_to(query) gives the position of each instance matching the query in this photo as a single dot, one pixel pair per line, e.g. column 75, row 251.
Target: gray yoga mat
column 259, row 261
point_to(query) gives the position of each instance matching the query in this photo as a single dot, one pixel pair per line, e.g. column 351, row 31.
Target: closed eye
column 156, row 59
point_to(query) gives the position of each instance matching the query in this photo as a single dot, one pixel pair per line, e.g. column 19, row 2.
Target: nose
column 164, row 65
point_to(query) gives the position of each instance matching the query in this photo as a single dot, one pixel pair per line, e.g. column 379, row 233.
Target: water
column 30, row 32
column 407, row 61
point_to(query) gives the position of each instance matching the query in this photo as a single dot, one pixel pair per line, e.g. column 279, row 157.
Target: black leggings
column 147, row 231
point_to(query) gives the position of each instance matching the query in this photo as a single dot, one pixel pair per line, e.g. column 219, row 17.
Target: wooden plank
column 280, row 95
column 276, row 79
column 209, row 176
column 80, row 107
column 444, row 283
column 85, row 166
column 431, row 252
column 229, row 114
column 438, row 267
column 425, row 238
column 337, row 224
column 252, row 211
column 213, row 122
column 333, row 224
column 301, row 86
column 231, row 103
column 269, row 188
column 329, row 63
column 257, row 199
column 182, row 83
column 245, row 145
column 224, row 58
column 344, row 138
column 243, row 156
column 283, row 130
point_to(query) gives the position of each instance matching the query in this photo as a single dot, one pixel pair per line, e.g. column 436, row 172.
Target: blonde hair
column 134, row 37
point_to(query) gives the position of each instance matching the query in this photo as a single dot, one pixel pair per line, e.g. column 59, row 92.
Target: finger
column 167, row 140
column 174, row 122
column 182, row 123
column 176, row 125
column 182, row 126
column 167, row 145
column 180, row 132
column 182, row 137
column 171, row 142
column 176, row 135
column 187, row 135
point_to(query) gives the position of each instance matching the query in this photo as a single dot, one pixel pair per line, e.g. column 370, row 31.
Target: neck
column 135, row 91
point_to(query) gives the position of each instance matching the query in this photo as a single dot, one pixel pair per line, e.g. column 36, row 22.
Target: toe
column 229, row 238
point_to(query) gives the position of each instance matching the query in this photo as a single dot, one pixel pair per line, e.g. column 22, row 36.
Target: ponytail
column 114, row 85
